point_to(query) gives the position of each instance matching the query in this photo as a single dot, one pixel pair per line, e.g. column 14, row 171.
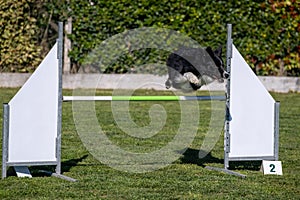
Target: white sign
column 272, row 167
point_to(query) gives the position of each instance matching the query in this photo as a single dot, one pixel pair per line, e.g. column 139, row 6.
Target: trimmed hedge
column 28, row 31
column 266, row 32
column 18, row 44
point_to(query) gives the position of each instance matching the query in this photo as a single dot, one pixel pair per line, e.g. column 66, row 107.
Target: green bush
column 265, row 31
column 18, row 47
column 28, row 30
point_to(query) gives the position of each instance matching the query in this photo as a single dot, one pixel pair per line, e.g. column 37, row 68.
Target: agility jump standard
column 252, row 115
column 32, row 119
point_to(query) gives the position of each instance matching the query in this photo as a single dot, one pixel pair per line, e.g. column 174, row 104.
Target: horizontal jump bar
column 143, row 98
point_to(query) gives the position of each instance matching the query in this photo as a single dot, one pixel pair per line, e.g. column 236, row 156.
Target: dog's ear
column 218, row 51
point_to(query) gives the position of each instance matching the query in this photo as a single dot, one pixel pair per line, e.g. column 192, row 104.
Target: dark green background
column 265, row 32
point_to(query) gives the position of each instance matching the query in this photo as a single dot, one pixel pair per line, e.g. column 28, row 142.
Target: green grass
column 185, row 178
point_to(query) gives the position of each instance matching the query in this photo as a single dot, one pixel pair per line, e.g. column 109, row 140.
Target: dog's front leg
column 175, row 79
column 168, row 83
column 192, row 78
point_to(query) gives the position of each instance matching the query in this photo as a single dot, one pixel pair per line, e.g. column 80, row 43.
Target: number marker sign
column 272, row 167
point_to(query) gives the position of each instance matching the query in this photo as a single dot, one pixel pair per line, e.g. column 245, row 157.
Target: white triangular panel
column 251, row 110
column 33, row 115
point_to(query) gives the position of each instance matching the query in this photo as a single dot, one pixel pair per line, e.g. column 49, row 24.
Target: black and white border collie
column 190, row 68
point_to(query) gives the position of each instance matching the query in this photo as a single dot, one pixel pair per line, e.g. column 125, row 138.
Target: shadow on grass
column 245, row 165
column 191, row 156
column 67, row 165
column 39, row 171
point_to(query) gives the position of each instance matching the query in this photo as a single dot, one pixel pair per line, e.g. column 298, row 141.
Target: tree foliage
column 265, row 31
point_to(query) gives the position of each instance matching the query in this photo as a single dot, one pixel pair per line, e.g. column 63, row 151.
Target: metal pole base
column 58, row 176
column 226, row 171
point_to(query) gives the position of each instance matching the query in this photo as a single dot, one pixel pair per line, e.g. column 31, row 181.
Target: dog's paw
column 168, row 84
column 191, row 78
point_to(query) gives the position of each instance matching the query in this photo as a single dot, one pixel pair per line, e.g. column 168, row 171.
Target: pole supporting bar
column 143, row 98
